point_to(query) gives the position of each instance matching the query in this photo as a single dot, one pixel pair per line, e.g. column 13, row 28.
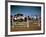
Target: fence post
column 13, row 23
column 38, row 22
column 27, row 23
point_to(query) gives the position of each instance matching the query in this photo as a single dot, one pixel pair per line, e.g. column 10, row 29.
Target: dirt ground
column 22, row 26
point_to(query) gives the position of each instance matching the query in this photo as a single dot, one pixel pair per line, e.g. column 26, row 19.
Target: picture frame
column 21, row 3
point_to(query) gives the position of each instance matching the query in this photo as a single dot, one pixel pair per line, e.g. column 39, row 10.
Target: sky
column 25, row 10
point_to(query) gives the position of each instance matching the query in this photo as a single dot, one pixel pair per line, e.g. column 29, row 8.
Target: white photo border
column 23, row 32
